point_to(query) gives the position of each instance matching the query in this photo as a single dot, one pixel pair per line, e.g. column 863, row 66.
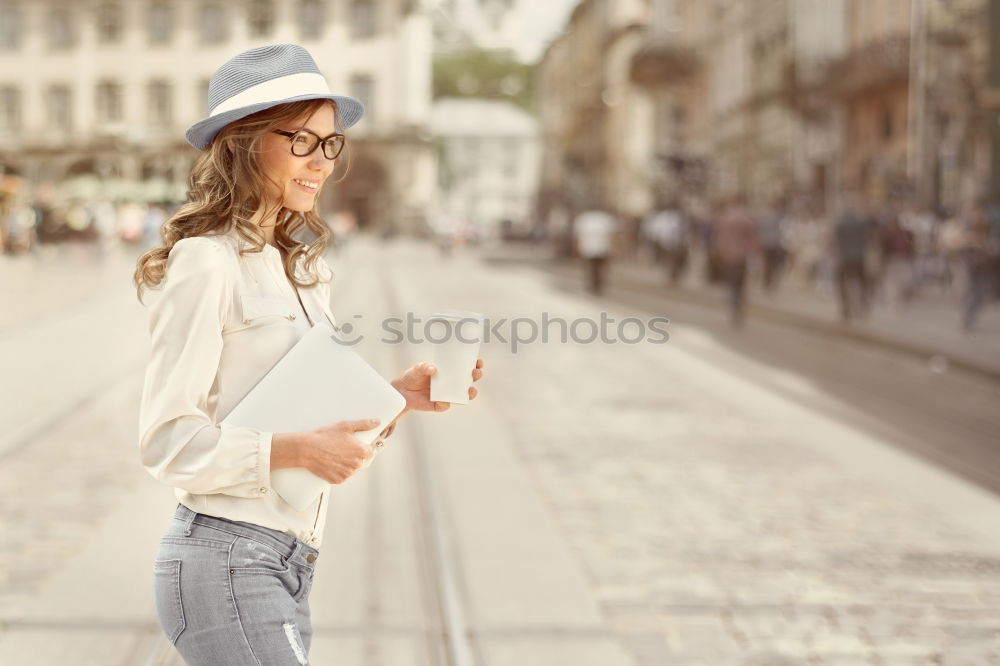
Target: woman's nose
column 319, row 163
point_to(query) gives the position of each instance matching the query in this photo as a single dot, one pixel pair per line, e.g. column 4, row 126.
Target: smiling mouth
column 306, row 185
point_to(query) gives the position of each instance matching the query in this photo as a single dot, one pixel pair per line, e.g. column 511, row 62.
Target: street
column 957, row 421
column 770, row 496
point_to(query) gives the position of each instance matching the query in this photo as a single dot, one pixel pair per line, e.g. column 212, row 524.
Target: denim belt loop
column 188, row 521
column 304, row 555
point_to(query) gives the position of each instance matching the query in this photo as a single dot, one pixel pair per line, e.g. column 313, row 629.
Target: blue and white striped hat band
column 260, row 78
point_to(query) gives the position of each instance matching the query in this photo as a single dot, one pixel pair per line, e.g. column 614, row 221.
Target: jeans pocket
column 167, row 596
column 305, row 584
column 255, row 557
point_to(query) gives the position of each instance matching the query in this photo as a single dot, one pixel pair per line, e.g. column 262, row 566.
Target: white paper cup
column 454, row 337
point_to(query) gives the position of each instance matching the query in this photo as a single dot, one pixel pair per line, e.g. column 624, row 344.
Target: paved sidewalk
column 594, row 514
column 84, row 597
column 928, row 328
column 722, row 524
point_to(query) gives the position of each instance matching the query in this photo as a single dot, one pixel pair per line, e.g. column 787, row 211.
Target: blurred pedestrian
column 559, row 231
column 852, row 235
column 234, row 570
column 896, row 247
column 344, row 225
column 666, row 229
column 773, row 232
column 155, row 216
column 707, row 232
column 594, row 228
column 928, row 265
column 951, row 243
column 131, row 216
column 19, row 224
column 735, row 241
column 632, row 236
column 979, row 251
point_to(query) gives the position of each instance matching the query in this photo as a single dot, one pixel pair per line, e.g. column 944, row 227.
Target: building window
column 10, row 108
column 261, row 18
column 109, row 102
column 362, row 19
column 109, row 22
column 363, row 88
column 60, row 105
column 161, row 22
column 212, row 23
column 160, row 108
column 312, row 19
column 10, row 27
column 60, row 29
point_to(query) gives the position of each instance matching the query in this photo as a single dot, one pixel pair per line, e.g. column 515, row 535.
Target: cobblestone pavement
column 721, row 540
column 716, row 527
column 61, row 486
column 76, row 460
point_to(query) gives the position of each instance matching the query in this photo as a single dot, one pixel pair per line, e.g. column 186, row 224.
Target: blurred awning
column 84, row 186
column 89, row 187
column 154, row 189
column 120, row 189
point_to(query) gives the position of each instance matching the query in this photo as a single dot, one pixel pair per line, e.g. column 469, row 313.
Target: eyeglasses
column 304, row 142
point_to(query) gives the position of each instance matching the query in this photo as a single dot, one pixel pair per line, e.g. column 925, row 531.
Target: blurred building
column 871, row 82
column 628, row 136
column 573, row 113
column 674, row 69
column 488, row 157
column 770, row 117
column 769, row 99
column 107, row 88
column 485, row 24
column 950, row 123
column 818, row 35
column 519, row 28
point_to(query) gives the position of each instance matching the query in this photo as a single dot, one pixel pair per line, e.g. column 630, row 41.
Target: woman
column 229, row 293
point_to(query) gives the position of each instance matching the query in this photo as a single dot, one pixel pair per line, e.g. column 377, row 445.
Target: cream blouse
column 218, row 322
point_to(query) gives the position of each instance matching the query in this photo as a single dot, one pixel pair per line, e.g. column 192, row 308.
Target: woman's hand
column 415, row 386
column 333, row 453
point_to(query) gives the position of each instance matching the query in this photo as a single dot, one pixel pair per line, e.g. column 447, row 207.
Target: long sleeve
column 179, row 441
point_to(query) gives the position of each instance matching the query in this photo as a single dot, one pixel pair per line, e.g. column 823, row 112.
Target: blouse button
column 263, row 491
column 291, row 316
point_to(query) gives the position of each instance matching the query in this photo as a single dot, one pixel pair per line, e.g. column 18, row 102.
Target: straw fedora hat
column 260, row 78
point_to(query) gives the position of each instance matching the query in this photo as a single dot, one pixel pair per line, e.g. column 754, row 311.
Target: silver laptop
column 320, row 381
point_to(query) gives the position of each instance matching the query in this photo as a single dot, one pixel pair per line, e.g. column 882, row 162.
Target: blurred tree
column 484, row 73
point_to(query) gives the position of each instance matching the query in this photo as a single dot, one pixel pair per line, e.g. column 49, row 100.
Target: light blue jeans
column 233, row 593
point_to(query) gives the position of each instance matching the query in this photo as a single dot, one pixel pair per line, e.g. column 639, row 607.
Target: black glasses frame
column 324, row 141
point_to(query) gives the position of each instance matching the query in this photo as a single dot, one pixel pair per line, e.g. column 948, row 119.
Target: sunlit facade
column 488, row 163
column 108, row 88
column 775, row 100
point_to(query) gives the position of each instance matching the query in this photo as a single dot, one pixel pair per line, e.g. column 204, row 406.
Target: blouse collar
column 243, row 244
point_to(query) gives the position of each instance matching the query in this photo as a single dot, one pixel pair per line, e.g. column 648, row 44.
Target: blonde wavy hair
column 227, row 186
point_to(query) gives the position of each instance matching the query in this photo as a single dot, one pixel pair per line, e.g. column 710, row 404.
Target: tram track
column 452, row 647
